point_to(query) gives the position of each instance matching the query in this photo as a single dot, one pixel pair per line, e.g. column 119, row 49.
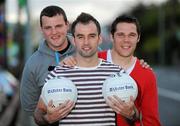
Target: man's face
column 55, row 30
column 125, row 39
column 86, row 39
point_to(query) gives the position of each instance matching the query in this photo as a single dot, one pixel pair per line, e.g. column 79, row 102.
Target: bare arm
column 126, row 109
column 45, row 115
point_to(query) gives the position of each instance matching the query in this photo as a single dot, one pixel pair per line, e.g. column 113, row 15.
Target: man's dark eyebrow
column 93, row 34
column 59, row 25
column 79, row 35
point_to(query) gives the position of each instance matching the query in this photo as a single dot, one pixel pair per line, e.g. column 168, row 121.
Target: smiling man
column 125, row 33
column 88, row 75
column 56, row 45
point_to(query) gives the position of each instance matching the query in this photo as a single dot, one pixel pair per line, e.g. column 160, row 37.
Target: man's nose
column 86, row 41
column 126, row 37
column 53, row 30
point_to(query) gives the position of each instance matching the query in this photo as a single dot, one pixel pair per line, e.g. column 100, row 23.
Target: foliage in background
column 151, row 46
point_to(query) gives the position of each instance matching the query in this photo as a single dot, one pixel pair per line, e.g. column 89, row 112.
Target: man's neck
column 87, row 61
column 65, row 49
column 124, row 62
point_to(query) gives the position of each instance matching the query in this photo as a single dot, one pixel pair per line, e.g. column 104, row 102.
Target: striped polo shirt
column 90, row 108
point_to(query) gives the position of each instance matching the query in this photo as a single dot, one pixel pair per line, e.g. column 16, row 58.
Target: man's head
column 85, row 18
column 125, row 31
column 86, row 33
column 51, row 11
column 54, row 26
column 125, row 19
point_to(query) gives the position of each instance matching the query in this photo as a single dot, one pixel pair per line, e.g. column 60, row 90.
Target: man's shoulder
column 110, row 65
column 38, row 61
column 145, row 77
column 102, row 54
column 60, row 70
column 34, row 58
column 63, row 68
column 144, row 72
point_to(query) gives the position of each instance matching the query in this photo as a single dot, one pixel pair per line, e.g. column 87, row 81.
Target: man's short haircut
column 85, row 18
column 125, row 19
column 51, row 11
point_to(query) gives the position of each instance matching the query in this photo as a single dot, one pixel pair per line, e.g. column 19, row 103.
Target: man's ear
column 111, row 38
column 138, row 38
column 100, row 39
column 67, row 23
column 41, row 29
column 73, row 42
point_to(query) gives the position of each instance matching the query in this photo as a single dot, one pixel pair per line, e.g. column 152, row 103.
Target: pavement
column 168, row 79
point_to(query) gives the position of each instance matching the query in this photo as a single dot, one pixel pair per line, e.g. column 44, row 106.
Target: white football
column 59, row 89
column 121, row 85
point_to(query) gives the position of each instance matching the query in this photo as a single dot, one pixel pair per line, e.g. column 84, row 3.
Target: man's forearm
column 39, row 117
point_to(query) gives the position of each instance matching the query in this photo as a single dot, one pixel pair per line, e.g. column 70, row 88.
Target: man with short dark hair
column 125, row 33
column 55, row 47
column 88, row 75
